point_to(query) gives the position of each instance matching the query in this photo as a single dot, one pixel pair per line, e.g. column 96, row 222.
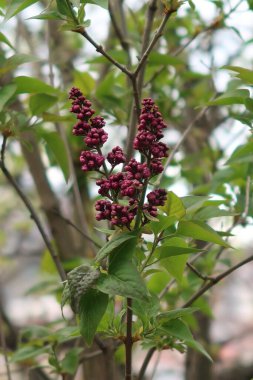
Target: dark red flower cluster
column 147, row 140
column 91, row 128
column 123, row 189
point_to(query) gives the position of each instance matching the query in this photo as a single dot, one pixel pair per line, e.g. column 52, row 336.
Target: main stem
column 129, row 341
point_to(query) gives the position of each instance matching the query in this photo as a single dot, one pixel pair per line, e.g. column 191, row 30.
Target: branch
column 156, row 37
column 145, row 364
column 100, row 49
column 121, row 34
column 68, row 221
column 32, row 211
column 137, row 87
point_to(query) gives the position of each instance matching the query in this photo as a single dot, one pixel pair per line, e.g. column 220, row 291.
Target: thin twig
column 119, row 33
column 157, row 35
column 145, row 42
column 86, row 237
column 215, row 280
column 4, row 348
column 100, row 49
column 198, row 273
column 32, row 211
column 145, row 364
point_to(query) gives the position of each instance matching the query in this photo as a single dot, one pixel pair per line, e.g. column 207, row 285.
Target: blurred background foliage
column 200, row 75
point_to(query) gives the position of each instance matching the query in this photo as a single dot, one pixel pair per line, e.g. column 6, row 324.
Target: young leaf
column 15, row 61
column 33, row 85
column 6, row 93
column 100, row 3
column 30, row 352
column 125, row 282
column 123, row 277
column 230, row 97
column 173, row 206
column 245, row 75
column 242, row 154
column 114, row 243
column 178, row 329
column 212, row 212
column 5, row 40
column 175, row 265
column 177, row 313
column 16, row 6
column 51, row 15
column 200, row 231
column 70, row 362
column 39, row 103
column 198, row 347
column 92, row 307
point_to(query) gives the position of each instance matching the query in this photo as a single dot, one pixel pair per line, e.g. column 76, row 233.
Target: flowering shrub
column 131, row 184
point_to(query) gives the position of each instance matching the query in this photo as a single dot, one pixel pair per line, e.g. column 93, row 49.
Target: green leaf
column 244, row 153
column 84, row 81
column 192, row 5
column 175, row 247
column 92, row 307
column 51, row 15
column 177, row 313
column 178, row 329
column 16, row 6
column 163, row 223
column 245, row 75
column 230, row 97
column 212, row 212
column 175, row 266
column 198, row 347
column 193, row 202
column 156, row 58
column 125, row 282
column 200, row 231
column 70, row 362
column 15, row 61
column 173, row 206
column 39, row 103
column 30, row 352
column 63, row 8
column 57, row 147
column 114, row 243
column 5, row 40
column 123, row 277
column 34, row 86
column 6, row 93
column 100, row 3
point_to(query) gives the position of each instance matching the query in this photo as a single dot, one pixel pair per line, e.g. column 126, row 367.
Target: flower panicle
column 123, row 190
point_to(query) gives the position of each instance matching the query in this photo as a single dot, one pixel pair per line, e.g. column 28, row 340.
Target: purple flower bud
column 116, row 156
column 91, row 161
column 97, row 122
column 136, row 170
column 96, row 138
column 81, row 128
column 157, row 197
column 156, row 166
column 104, row 210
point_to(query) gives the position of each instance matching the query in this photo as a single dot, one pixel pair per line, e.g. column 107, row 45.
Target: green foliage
column 149, row 265
column 92, row 307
